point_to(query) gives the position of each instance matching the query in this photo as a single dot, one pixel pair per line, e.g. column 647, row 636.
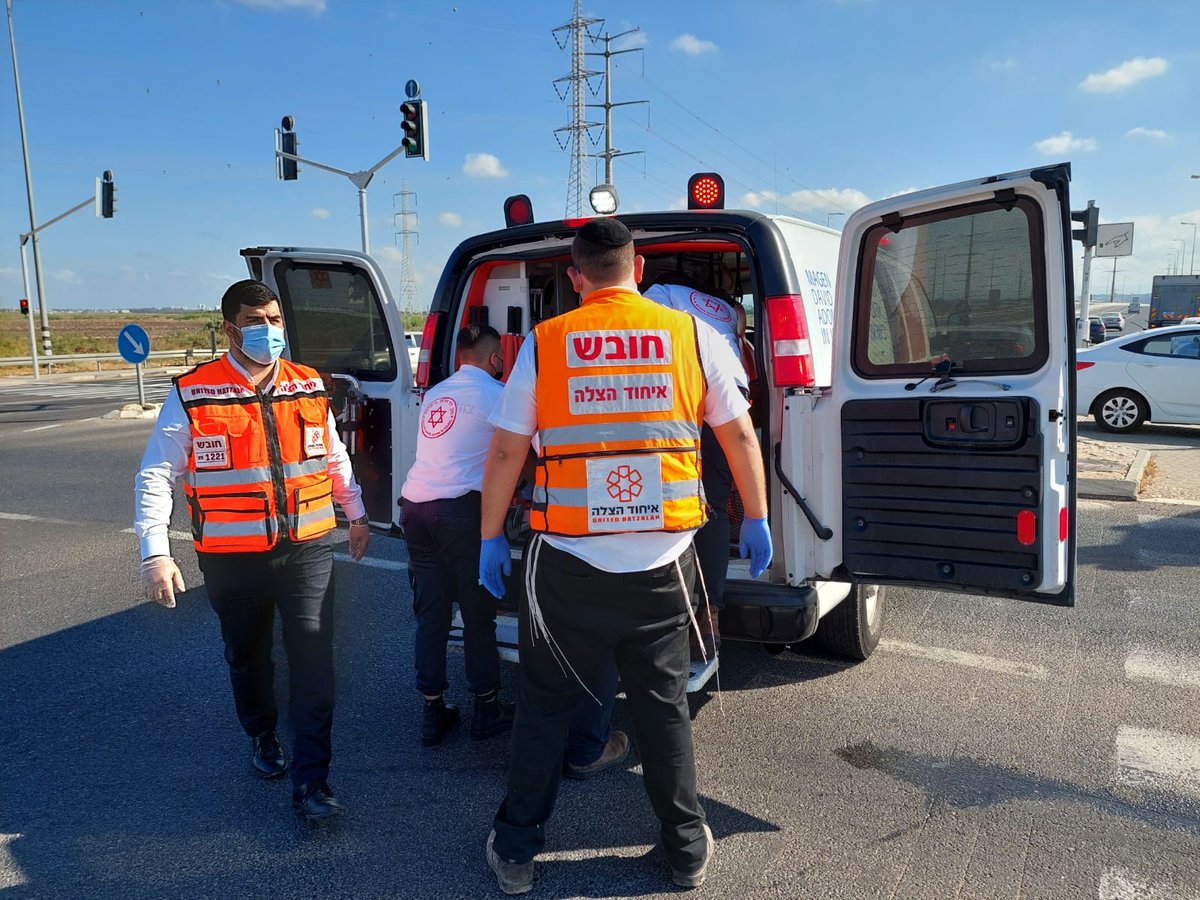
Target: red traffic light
column 518, row 210
column 24, row 307
column 706, row 190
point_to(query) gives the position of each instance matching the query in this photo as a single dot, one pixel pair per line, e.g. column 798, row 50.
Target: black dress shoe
column 316, row 801
column 490, row 718
column 438, row 720
column 267, row 757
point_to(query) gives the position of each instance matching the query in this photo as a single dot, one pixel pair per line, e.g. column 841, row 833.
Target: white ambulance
column 914, row 386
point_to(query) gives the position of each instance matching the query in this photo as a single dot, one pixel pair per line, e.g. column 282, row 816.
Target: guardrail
column 61, row 358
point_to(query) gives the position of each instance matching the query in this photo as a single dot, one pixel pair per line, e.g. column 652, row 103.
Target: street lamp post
column 1192, row 264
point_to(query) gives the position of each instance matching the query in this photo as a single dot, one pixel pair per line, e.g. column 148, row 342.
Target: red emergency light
column 706, row 190
column 518, row 210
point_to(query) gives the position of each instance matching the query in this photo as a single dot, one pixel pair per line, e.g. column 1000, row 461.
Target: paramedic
column 616, row 391
column 262, row 463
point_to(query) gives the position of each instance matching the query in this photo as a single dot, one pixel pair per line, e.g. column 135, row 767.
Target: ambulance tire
column 853, row 627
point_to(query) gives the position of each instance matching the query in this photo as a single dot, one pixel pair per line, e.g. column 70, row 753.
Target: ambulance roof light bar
column 706, row 190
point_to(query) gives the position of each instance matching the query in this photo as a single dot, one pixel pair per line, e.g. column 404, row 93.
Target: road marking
column 1161, row 760
column 11, row 874
column 1177, row 671
column 374, row 562
column 971, row 660
column 43, row 427
column 1122, row 884
column 45, row 520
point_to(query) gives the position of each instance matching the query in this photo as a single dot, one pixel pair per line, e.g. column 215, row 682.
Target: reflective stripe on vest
column 259, row 462
column 620, row 403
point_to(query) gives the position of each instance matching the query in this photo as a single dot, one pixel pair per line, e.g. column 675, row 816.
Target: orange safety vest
column 259, row 462
column 620, row 403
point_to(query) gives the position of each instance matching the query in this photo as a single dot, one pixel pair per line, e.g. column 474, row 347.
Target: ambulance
column 913, row 384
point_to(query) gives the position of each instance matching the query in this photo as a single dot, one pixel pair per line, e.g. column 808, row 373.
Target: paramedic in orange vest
column 258, row 450
column 616, row 392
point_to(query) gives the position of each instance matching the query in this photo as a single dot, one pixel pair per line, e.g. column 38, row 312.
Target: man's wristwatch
column 361, row 520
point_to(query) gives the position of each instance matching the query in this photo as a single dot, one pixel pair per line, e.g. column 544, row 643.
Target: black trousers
column 640, row 620
column 712, row 540
column 245, row 589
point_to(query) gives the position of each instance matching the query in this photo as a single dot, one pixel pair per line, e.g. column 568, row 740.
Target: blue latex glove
column 756, row 543
column 494, row 559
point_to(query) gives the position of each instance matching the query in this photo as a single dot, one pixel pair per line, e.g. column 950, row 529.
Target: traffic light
column 416, row 129
column 1090, row 220
column 287, row 169
column 24, row 307
column 106, row 195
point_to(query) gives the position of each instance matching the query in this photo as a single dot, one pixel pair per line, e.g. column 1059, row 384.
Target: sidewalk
column 1157, row 462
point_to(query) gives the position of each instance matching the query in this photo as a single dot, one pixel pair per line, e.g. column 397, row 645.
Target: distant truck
column 1173, row 298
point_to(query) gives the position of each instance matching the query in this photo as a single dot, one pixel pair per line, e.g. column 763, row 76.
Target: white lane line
column 11, row 874
column 1122, row 884
column 1161, row 760
column 43, row 427
column 1174, row 670
column 44, row 520
column 971, row 660
column 373, row 562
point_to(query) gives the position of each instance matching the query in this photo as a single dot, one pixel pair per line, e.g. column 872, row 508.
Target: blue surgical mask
column 263, row 343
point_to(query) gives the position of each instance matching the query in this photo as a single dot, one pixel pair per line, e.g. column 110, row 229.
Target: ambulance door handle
column 821, row 531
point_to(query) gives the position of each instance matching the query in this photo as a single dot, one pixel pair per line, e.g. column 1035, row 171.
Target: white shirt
column 634, row 551
column 711, row 311
column 166, row 458
column 453, row 436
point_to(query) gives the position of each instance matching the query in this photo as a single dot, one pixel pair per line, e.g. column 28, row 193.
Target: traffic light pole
column 37, row 371
column 43, row 313
column 1085, row 298
column 359, row 179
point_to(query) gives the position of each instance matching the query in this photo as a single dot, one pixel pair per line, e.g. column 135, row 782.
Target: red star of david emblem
column 436, row 417
column 624, row 483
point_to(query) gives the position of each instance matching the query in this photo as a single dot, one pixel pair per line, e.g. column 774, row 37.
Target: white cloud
column 1126, row 74
column 319, row 213
column 692, row 45
column 1005, row 66
column 1140, row 132
column 483, row 165
column 66, row 276
column 389, row 254
column 806, row 200
column 452, row 219
column 629, row 41
column 313, row 6
column 1064, row 142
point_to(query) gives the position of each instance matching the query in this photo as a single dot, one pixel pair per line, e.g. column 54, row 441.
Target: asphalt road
column 989, row 749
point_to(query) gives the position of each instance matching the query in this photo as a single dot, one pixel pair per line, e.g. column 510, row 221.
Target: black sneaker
column 267, row 757
column 491, row 717
column 316, row 801
column 440, row 718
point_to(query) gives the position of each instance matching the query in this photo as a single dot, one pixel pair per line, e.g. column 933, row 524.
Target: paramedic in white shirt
column 439, row 511
column 712, row 541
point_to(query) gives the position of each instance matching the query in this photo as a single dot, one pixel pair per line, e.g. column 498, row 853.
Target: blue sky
column 810, row 108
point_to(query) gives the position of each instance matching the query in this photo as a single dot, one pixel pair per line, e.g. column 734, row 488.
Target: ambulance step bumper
column 768, row 613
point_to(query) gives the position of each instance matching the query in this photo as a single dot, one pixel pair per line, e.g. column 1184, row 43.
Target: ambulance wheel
column 853, row 627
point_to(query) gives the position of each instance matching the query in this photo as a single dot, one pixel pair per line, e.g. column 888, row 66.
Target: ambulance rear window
column 965, row 285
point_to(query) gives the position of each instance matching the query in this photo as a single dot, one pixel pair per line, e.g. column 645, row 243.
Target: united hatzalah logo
column 624, row 483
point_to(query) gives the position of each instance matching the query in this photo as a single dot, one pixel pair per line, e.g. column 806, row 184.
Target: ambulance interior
column 514, row 295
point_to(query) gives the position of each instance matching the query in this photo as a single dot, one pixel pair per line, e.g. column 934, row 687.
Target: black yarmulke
column 605, row 232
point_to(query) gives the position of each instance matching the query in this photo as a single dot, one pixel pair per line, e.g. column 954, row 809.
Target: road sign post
column 134, row 346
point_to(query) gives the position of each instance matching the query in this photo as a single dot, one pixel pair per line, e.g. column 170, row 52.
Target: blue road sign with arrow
column 133, row 344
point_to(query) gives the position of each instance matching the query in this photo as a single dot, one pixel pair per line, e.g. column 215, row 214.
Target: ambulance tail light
column 425, row 356
column 791, row 353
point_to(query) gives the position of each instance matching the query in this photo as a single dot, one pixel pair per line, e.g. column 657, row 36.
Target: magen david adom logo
column 624, row 483
column 437, row 418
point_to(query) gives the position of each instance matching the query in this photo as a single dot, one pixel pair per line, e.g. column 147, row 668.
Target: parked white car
column 412, row 340
column 1149, row 375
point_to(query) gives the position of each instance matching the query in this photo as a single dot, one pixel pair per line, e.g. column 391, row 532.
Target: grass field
column 96, row 332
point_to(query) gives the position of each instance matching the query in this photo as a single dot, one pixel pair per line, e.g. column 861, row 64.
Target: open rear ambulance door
column 341, row 319
column 953, row 392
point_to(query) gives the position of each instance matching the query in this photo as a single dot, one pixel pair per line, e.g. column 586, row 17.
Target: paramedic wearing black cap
column 616, row 392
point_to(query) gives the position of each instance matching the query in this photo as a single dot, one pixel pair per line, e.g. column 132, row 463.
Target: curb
column 1112, row 488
